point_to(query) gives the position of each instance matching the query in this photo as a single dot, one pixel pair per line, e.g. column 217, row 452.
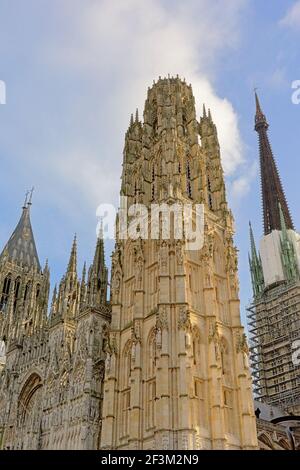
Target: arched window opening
column 210, row 201
column 27, row 290
column 125, row 394
column 225, row 358
column 151, row 382
column 184, row 124
column 188, row 180
column 5, row 292
column 229, row 414
column 151, row 354
column 188, row 171
column 38, row 289
column 17, row 292
column 127, row 366
column 196, row 349
column 29, row 401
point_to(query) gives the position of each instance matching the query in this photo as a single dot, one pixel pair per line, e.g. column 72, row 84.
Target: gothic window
column 184, row 124
column 225, row 363
column 125, row 406
column 151, row 383
column 17, row 292
column 5, row 292
column 38, row 288
column 27, row 290
column 199, row 411
column 29, row 407
column 154, row 116
column 190, row 281
column 126, row 369
column 155, row 283
column 151, row 394
column 228, row 411
column 219, row 257
column 152, row 182
column 210, row 201
column 152, row 191
column 125, row 394
column 196, row 352
column 151, row 354
column 188, row 171
column 188, row 178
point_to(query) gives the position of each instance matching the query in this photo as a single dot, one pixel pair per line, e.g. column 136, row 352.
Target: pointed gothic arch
column 126, row 365
column 30, row 411
column 5, row 291
column 225, row 357
column 266, row 440
column 196, row 348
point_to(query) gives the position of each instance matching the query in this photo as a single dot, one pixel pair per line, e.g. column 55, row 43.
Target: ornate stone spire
column 272, row 191
column 24, row 285
column 72, row 266
column 98, row 274
column 257, row 276
column 20, row 248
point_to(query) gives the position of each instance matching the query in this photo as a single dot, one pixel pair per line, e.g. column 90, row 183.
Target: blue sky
column 76, row 69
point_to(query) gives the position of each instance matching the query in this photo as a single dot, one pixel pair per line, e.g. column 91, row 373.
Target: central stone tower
column 177, row 373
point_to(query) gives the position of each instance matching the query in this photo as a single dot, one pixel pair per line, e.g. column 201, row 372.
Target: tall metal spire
column 272, row 191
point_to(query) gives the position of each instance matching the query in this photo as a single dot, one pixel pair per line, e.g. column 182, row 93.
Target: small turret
column 256, row 270
column 98, row 276
column 66, row 305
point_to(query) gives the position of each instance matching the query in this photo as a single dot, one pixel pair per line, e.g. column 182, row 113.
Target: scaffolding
column 274, row 326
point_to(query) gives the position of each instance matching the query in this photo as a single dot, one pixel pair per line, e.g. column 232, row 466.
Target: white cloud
column 292, row 17
column 241, row 185
column 124, row 45
column 278, row 78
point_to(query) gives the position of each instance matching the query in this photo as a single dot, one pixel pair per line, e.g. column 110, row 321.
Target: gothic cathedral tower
column 177, row 374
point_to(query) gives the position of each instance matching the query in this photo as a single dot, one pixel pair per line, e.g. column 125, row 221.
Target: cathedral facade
column 164, row 364
column 51, row 382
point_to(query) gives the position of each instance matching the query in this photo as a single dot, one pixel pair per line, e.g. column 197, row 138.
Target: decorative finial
column 30, row 196
column 258, row 107
column 83, row 273
column 137, row 115
column 100, row 233
column 204, row 111
column 26, row 199
column 131, row 119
